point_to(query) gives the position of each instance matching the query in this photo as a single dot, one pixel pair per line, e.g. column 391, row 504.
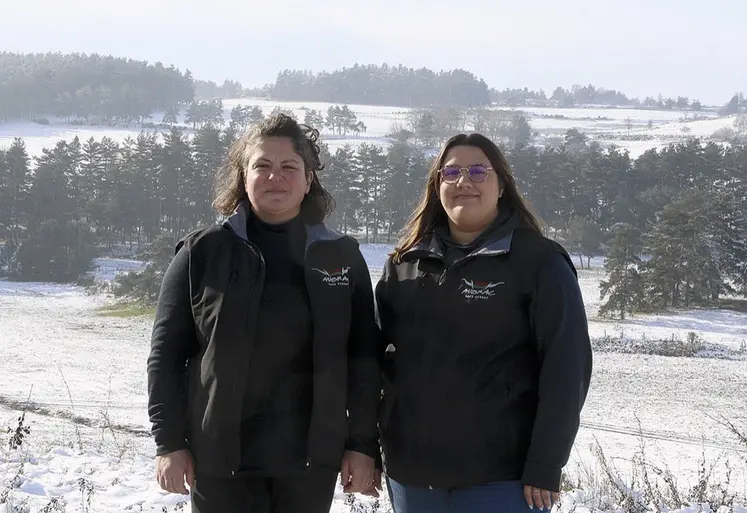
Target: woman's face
column 276, row 180
column 471, row 206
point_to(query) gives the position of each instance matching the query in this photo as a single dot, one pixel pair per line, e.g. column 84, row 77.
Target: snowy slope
column 608, row 126
column 85, row 375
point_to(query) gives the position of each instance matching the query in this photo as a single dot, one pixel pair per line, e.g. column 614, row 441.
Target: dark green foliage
column 697, row 249
column 145, row 285
column 383, row 85
column 624, row 287
column 130, row 194
column 207, row 89
column 57, row 250
column 584, row 239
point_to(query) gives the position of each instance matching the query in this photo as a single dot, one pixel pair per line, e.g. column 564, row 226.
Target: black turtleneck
column 278, row 399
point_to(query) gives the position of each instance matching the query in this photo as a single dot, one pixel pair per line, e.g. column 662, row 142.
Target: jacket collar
column 236, row 222
column 497, row 241
column 432, row 248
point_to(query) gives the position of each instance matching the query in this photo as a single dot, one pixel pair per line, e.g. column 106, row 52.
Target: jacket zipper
column 255, row 249
column 442, row 278
column 313, row 358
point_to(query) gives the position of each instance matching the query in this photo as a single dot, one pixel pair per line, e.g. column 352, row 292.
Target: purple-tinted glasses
column 476, row 173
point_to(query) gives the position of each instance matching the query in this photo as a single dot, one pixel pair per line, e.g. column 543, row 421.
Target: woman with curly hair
column 263, row 378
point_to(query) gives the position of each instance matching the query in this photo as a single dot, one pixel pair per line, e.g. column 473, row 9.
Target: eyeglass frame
column 464, row 171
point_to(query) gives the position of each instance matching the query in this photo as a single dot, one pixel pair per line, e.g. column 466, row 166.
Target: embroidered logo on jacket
column 471, row 289
column 335, row 277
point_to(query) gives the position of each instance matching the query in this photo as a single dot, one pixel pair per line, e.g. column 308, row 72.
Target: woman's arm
column 560, row 328
column 172, row 341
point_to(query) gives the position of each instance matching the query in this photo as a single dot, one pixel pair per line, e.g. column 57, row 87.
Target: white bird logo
column 486, row 286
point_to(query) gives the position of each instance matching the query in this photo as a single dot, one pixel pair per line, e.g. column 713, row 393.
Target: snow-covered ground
column 85, row 376
column 635, row 130
column 38, row 137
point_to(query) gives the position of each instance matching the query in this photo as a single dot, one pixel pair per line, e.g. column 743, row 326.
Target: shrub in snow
column 649, row 488
column 57, row 250
column 145, row 285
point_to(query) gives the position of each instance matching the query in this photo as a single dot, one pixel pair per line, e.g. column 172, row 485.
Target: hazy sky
column 694, row 48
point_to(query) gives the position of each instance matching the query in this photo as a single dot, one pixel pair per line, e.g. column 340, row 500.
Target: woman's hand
column 375, row 487
column 541, row 499
column 173, row 468
column 357, row 472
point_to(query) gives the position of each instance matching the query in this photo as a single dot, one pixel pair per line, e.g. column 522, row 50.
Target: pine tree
column 5, row 202
column 177, row 184
column 256, row 116
column 371, row 167
column 142, row 161
column 683, row 269
column 584, row 239
column 58, row 244
column 209, row 152
column 194, row 115
column 239, row 118
column 171, row 115
column 314, row 119
column 340, row 178
column 623, row 286
column 407, row 170
column 15, row 186
column 58, row 250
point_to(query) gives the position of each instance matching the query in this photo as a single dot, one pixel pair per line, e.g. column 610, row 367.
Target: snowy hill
column 80, row 377
column 635, row 130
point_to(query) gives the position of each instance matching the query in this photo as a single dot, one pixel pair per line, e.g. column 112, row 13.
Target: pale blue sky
column 641, row 47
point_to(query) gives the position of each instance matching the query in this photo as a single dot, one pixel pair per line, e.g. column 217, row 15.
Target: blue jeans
column 497, row 497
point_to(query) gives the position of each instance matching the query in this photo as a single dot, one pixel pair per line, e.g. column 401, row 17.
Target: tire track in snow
column 51, row 409
column 660, row 435
column 44, row 408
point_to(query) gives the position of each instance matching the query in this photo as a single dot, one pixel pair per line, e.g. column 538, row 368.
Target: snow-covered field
column 634, row 130
column 89, row 433
column 38, row 137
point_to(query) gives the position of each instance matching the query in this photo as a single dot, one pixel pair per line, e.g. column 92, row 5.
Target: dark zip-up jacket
column 489, row 361
column 202, row 343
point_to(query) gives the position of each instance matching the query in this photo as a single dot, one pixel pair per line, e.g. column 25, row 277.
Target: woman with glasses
column 488, row 358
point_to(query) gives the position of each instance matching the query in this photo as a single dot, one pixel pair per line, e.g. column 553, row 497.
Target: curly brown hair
column 229, row 180
column 429, row 213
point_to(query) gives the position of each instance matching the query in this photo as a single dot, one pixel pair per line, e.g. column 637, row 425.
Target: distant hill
column 92, row 88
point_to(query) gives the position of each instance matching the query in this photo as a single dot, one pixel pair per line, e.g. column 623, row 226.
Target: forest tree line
column 417, row 88
column 104, row 90
column 579, row 95
column 383, row 85
column 671, row 222
column 88, row 88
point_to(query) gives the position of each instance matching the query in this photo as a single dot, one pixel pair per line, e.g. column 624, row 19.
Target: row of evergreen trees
column 588, row 95
column 382, row 85
column 693, row 255
column 96, row 89
column 684, row 207
column 90, row 88
column 592, row 95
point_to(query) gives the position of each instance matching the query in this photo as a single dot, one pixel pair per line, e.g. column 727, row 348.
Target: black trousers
column 311, row 493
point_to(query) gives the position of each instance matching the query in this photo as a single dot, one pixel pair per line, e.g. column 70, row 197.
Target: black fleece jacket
column 205, row 344
column 492, row 360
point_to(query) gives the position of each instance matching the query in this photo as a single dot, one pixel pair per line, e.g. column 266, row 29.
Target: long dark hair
column 429, row 213
column 229, row 180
